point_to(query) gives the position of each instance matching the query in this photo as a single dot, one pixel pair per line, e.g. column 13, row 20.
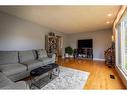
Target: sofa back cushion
column 26, row 56
column 41, row 53
column 8, row 57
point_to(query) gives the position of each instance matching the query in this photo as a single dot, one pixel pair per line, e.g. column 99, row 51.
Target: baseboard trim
column 99, row 59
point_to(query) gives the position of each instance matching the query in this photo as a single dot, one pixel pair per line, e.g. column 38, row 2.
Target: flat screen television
column 85, row 43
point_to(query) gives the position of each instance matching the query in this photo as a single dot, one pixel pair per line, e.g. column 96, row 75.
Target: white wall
column 19, row 34
column 101, row 41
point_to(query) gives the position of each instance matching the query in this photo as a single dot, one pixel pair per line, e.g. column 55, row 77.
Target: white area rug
column 68, row 79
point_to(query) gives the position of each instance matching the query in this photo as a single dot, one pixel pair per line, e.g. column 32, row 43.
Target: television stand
column 83, row 53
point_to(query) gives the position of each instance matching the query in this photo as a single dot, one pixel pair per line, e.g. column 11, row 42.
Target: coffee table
column 52, row 71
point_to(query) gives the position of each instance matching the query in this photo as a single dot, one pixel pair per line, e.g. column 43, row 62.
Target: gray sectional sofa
column 17, row 65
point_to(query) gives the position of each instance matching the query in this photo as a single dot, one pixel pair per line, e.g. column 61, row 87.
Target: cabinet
column 83, row 53
column 51, row 44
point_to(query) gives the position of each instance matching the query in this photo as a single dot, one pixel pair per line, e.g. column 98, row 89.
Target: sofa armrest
column 53, row 56
column 49, row 55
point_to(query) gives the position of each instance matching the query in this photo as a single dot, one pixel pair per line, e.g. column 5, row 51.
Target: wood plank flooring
column 99, row 73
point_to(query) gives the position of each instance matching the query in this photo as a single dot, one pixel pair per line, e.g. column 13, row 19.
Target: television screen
column 85, row 43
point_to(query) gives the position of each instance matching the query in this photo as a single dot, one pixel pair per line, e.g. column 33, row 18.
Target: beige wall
column 19, row 34
column 101, row 41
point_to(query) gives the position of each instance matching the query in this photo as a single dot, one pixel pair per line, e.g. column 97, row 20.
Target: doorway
column 59, row 45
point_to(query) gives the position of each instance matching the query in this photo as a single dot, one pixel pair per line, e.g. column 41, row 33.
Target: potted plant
column 68, row 52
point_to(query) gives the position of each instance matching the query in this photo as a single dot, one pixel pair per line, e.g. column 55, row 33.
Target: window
column 122, row 43
column 125, row 43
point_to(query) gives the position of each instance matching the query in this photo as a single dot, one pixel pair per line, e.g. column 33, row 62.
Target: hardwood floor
column 99, row 73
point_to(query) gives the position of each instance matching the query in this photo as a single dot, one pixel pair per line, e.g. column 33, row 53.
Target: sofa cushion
column 10, row 69
column 46, row 60
column 17, row 85
column 41, row 53
column 8, row 57
column 32, row 64
column 4, row 81
column 26, row 56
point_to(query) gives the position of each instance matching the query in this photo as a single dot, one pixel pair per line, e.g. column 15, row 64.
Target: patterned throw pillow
column 42, row 53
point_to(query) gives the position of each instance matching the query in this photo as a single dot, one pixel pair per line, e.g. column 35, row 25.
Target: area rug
column 68, row 79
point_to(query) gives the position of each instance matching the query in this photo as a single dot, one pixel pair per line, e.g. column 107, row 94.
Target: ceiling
column 66, row 19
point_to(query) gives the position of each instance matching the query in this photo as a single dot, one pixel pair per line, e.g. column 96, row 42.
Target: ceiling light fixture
column 107, row 22
column 109, row 15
